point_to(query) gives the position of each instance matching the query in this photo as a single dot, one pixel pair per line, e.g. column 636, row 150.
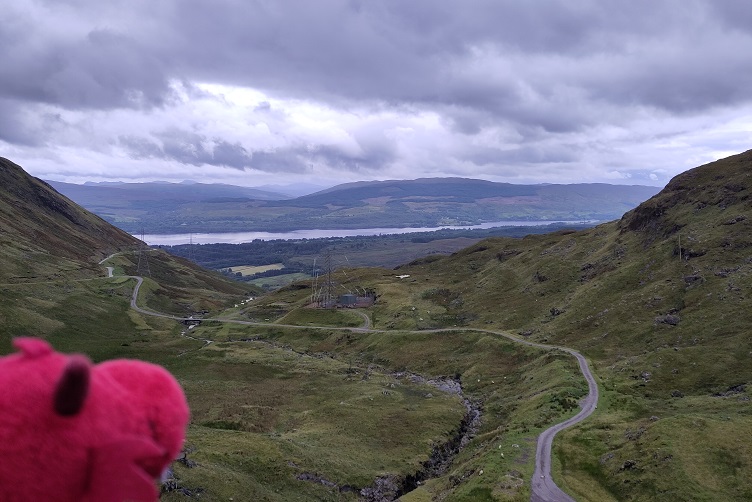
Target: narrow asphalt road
column 543, row 487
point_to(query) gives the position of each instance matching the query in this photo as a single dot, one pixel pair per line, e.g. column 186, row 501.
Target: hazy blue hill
column 134, row 193
column 420, row 190
column 427, row 202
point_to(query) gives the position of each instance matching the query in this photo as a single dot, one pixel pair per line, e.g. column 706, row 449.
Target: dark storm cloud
column 423, row 51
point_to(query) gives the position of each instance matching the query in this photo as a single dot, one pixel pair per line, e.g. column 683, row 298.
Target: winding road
column 543, row 487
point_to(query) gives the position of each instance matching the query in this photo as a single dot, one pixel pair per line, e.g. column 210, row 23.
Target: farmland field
column 256, row 269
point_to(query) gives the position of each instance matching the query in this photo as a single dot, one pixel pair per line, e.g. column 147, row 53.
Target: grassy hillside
column 267, row 421
column 660, row 301
column 49, row 251
column 43, row 234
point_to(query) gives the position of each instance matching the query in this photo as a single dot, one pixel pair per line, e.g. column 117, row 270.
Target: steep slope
column 46, row 237
column 42, row 229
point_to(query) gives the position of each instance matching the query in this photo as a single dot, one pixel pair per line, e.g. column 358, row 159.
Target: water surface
column 241, row 237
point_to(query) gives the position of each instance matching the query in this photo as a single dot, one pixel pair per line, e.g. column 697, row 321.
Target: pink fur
column 130, row 427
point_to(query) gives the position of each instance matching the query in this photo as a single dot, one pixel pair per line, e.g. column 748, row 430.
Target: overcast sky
column 328, row 91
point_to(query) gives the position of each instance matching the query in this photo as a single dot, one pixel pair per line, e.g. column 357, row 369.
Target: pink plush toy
column 71, row 431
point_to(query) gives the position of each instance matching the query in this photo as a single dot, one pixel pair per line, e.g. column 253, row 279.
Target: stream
column 390, row 488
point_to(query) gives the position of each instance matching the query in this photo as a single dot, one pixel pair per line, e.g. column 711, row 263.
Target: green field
column 254, row 269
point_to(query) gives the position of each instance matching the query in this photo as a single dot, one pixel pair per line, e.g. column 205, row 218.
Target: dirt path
column 543, row 487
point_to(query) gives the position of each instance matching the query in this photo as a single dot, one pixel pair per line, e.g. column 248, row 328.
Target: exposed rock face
column 384, row 489
column 670, row 319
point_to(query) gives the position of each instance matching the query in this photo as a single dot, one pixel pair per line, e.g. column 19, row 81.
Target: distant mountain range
column 136, row 193
column 428, row 202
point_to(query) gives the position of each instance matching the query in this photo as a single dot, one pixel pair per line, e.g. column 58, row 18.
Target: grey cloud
column 13, row 127
column 546, row 70
column 735, row 15
column 231, row 155
column 374, row 157
column 26, row 125
column 192, row 148
column 140, row 148
column 104, row 69
column 181, row 146
column 390, row 51
column 525, row 155
column 464, row 120
column 262, row 107
column 185, row 147
column 195, row 149
column 284, row 160
column 299, row 159
column 399, row 50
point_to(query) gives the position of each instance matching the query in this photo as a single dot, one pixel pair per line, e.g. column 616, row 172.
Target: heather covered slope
column 41, row 231
column 47, row 241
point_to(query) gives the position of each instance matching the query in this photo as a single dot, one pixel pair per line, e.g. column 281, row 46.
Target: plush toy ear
column 32, row 347
column 73, row 387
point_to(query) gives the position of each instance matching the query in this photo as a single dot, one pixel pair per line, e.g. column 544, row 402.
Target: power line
column 143, row 258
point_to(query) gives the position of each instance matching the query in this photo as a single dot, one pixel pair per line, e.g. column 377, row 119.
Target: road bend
column 543, row 487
